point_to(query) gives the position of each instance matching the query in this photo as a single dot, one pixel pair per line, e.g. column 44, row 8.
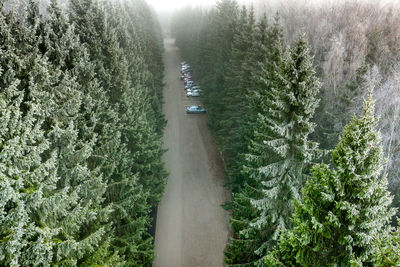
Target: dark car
column 195, row 110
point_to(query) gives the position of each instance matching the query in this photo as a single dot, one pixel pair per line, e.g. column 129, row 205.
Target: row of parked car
column 191, row 87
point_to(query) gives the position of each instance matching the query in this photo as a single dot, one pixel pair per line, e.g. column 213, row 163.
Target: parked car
column 195, row 110
column 186, row 68
column 186, row 80
column 189, row 84
column 193, row 90
column 194, row 93
column 194, row 87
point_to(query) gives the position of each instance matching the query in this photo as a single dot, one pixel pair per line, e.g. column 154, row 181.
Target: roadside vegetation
column 80, row 133
column 303, row 101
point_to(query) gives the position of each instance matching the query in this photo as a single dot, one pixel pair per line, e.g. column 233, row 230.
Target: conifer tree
column 53, row 210
column 137, row 180
column 23, row 177
column 246, row 239
column 280, row 151
column 345, row 210
column 280, row 154
column 62, row 46
column 236, row 117
column 240, row 249
column 81, row 139
column 388, row 251
column 215, row 54
column 141, row 115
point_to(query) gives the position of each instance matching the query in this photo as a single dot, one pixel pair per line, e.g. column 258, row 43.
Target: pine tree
column 388, row 251
column 280, row 152
column 39, row 232
column 345, row 210
column 77, row 119
column 215, row 54
column 23, row 177
column 237, row 117
column 240, row 249
column 136, row 176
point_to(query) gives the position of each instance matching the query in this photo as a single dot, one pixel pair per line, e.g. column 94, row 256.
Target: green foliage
column 345, row 210
column 80, row 153
column 236, row 117
column 261, row 98
column 388, row 251
column 279, row 154
column 239, row 251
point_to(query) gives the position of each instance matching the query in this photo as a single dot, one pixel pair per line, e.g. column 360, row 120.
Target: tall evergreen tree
column 215, row 54
column 137, row 181
column 24, row 176
column 55, row 193
column 81, row 139
column 236, row 118
column 388, row 251
column 345, row 210
column 63, row 48
column 280, row 151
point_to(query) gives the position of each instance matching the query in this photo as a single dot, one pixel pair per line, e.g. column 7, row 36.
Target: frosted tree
column 79, row 107
column 80, row 174
column 33, row 203
column 133, row 167
column 281, row 153
column 22, row 174
column 240, row 249
column 388, row 251
column 236, row 116
column 139, row 105
column 345, row 210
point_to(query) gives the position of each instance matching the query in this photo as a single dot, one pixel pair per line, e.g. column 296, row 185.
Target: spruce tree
column 24, row 176
column 140, row 110
column 237, row 117
column 345, row 210
column 240, row 249
column 81, row 139
column 135, row 173
column 388, row 251
column 280, row 152
column 215, row 54
column 62, row 47
column 32, row 166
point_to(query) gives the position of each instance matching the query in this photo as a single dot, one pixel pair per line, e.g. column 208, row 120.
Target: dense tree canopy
column 81, row 140
column 345, row 210
column 261, row 81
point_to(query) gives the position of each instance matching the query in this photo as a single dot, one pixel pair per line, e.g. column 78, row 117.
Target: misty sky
column 169, row 5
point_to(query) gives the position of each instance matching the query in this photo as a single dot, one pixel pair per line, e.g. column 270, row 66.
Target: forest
column 81, row 132
column 303, row 101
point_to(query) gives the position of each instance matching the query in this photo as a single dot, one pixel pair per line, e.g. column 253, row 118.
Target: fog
column 168, row 6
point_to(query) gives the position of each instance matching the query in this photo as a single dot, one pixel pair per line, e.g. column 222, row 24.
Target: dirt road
column 192, row 228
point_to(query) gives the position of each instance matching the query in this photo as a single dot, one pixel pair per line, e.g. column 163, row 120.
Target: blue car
column 195, row 110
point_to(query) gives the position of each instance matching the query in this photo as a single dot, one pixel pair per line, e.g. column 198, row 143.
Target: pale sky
column 169, row 5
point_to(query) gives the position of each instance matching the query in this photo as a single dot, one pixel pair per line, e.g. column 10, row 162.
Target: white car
column 194, row 89
column 193, row 93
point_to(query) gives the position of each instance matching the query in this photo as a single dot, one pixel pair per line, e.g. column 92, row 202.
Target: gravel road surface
column 192, row 228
